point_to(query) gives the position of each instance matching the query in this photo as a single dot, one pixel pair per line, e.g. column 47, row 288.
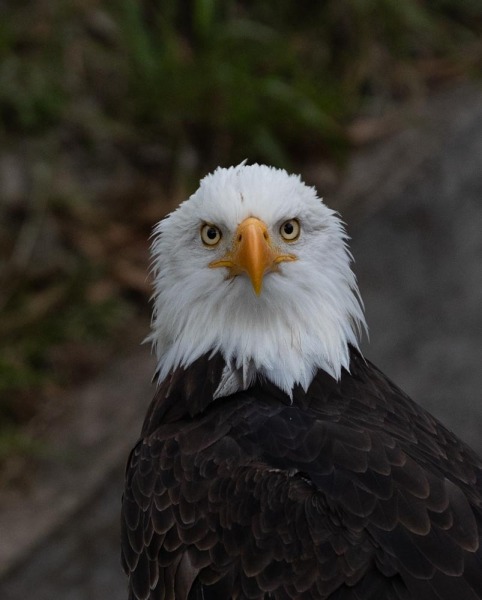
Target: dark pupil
column 212, row 233
column 288, row 228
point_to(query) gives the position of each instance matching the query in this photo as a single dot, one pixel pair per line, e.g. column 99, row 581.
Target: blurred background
column 110, row 112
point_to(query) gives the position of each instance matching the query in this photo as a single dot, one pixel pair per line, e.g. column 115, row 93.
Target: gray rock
column 418, row 253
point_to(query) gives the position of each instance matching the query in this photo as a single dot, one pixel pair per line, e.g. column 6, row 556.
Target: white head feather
column 308, row 312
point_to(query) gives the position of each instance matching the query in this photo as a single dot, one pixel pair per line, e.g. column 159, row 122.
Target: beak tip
column 257, row 286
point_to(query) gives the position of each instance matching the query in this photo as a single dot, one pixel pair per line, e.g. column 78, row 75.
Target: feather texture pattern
column 346, row 491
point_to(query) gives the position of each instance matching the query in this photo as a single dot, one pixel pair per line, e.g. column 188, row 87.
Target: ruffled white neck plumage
column 308, row 312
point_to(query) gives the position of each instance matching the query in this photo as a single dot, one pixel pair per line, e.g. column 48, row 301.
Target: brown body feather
column 348, row 492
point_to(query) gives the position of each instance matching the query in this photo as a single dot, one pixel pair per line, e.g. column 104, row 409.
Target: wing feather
column 348, row 492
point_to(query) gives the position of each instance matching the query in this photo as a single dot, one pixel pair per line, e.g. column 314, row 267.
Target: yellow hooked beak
column 252, row 253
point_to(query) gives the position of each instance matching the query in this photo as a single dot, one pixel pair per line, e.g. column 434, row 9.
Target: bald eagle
column 275, row 461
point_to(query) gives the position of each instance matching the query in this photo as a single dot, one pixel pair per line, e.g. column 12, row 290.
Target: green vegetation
column 51, row 337
column 223, row 79
column 105, row 103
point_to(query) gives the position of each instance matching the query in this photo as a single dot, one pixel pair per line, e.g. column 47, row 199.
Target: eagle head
column 254, row 266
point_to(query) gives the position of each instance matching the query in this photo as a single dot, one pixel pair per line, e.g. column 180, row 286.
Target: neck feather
column 285, row 335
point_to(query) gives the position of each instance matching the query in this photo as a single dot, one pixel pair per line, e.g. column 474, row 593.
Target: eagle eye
column 290, row 230
column 210, row 234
